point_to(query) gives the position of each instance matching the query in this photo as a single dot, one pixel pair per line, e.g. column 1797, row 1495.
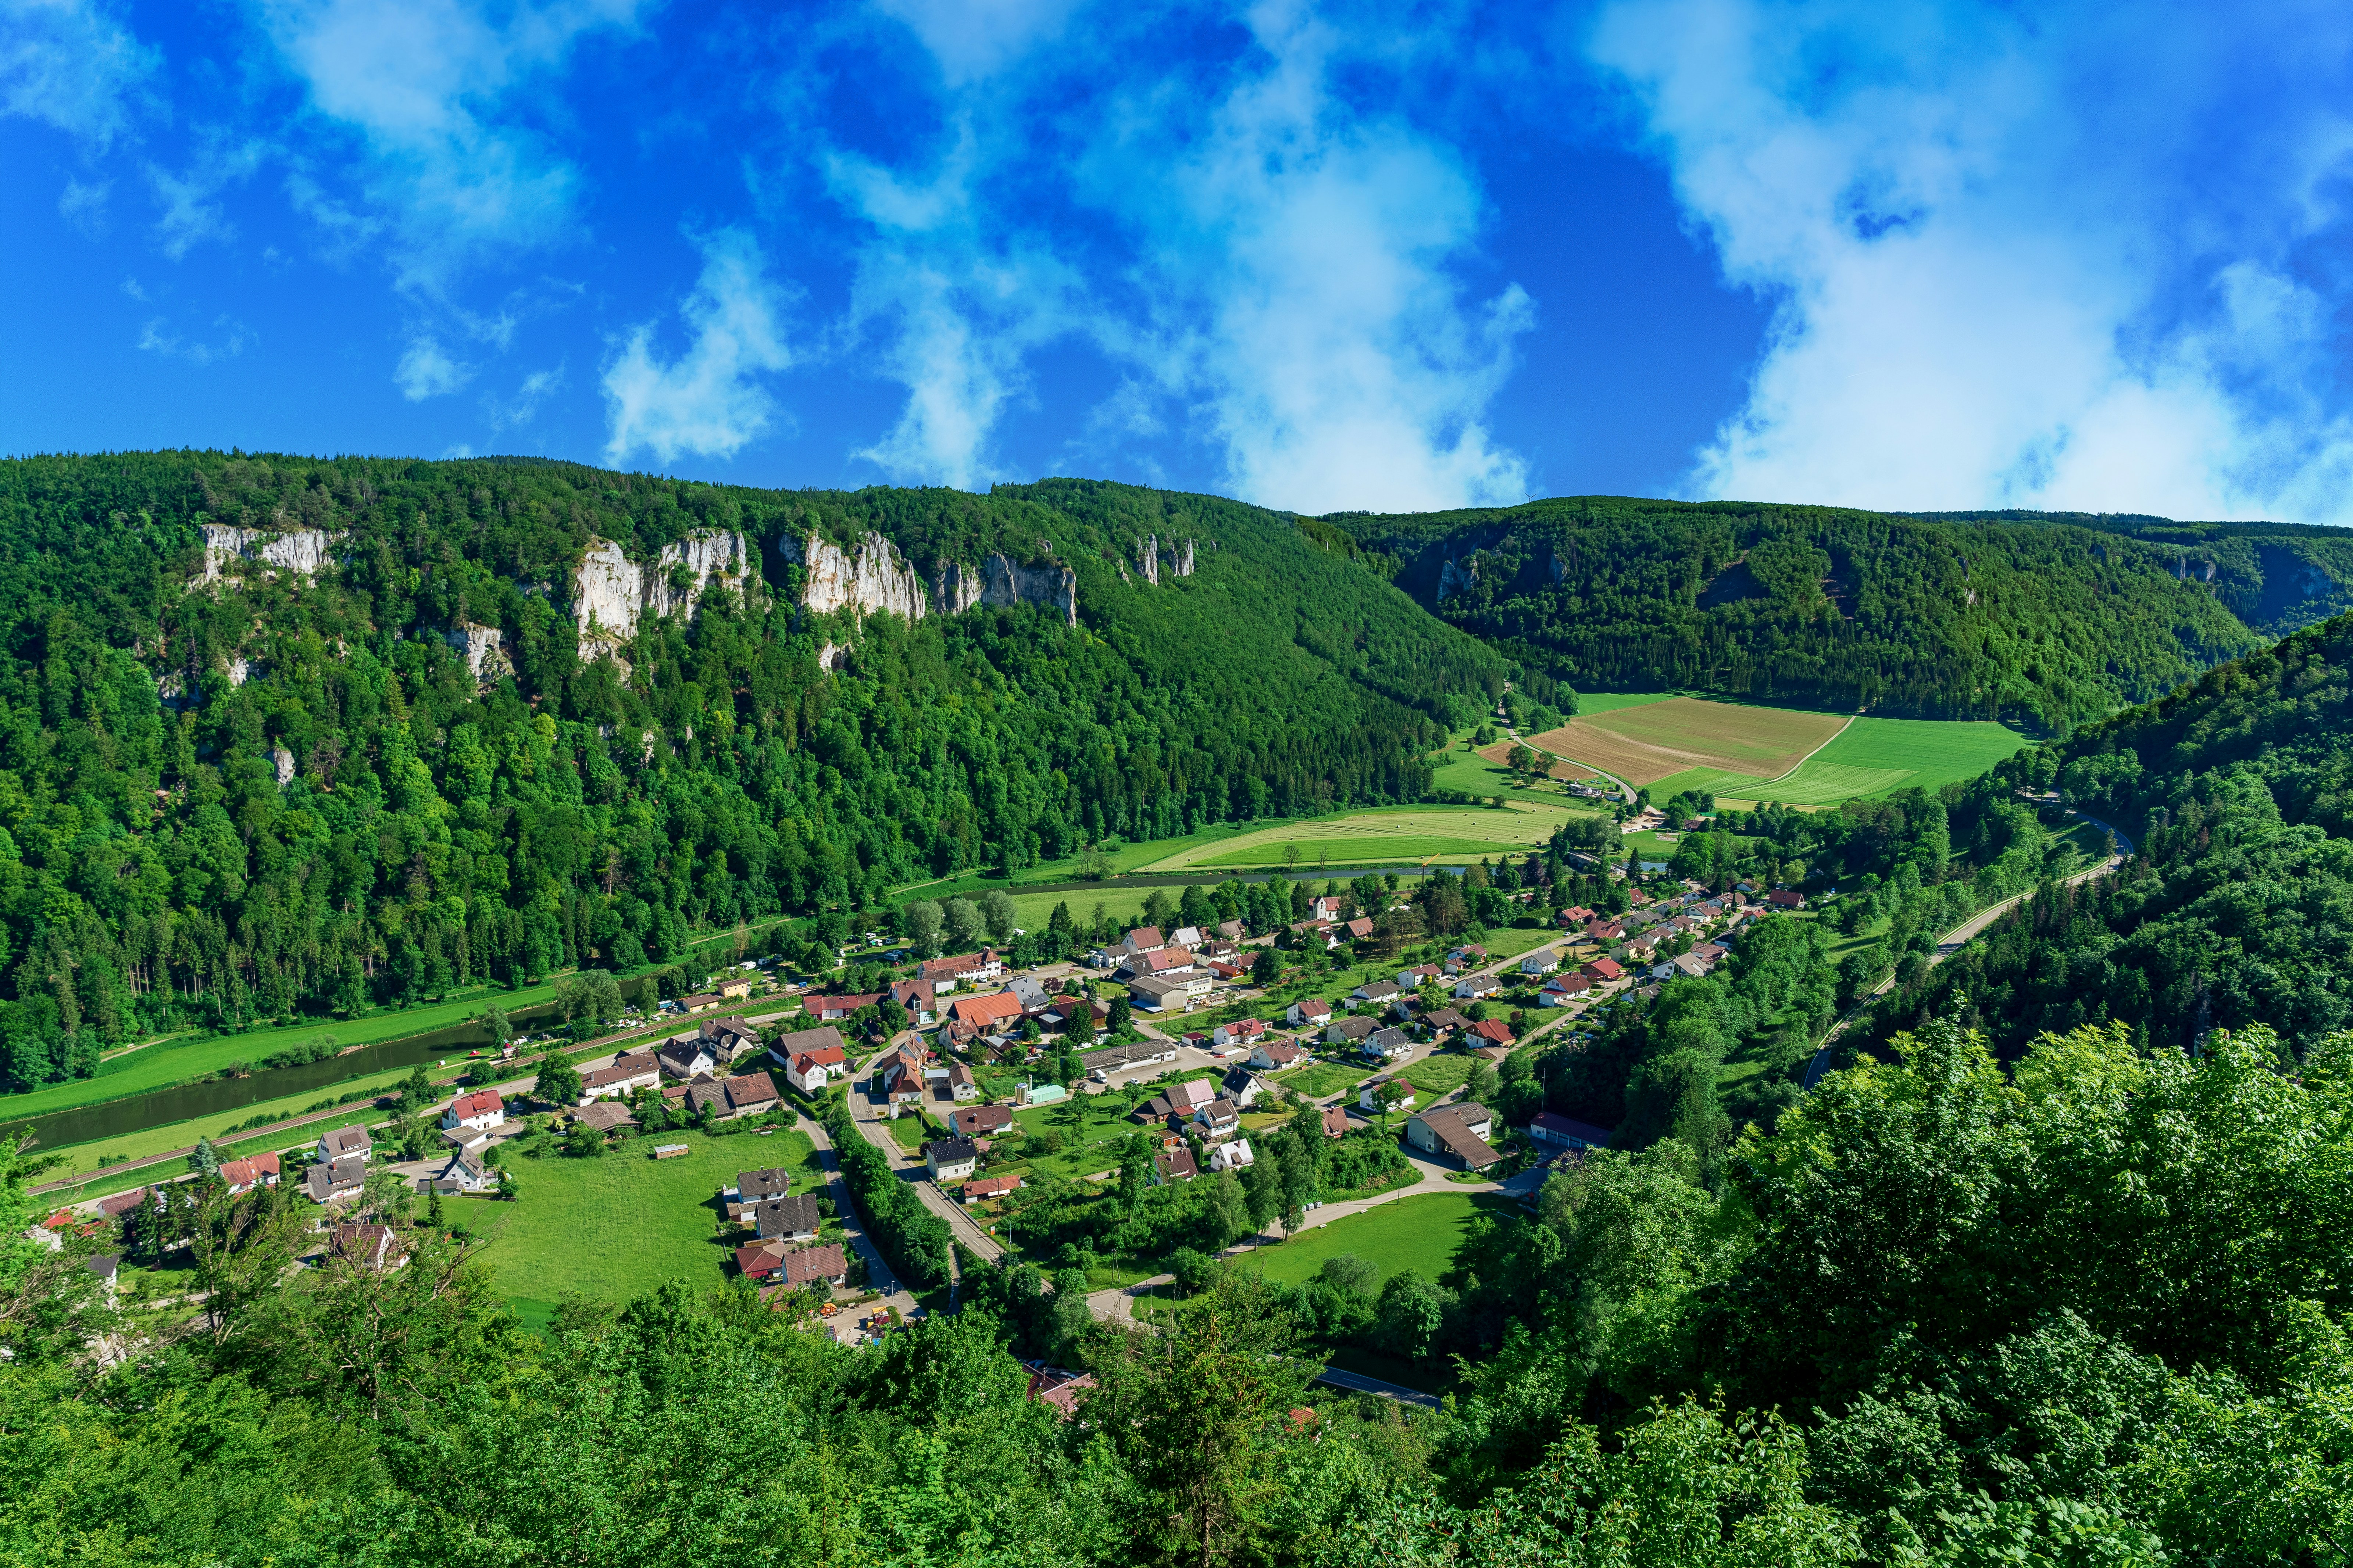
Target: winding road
column 1953, row 941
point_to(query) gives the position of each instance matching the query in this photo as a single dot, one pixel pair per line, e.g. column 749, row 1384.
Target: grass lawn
column 1323, row 1077
column 1442, row 1074
column 183, row 1058
column 1421, row 1233
column 908, row 1132
column 1471, row 773
column 1089, row 1143
column 1591, row 703
column 612, row 1229
column 158, row 1067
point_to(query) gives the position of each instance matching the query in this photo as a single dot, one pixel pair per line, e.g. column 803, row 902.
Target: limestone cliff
column 305, row 552
column 872, row 577
column 611, row 593
column 1053, row 586
column 486, row 661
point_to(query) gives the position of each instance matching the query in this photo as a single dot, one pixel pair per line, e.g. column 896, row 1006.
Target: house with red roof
column 484, row 1108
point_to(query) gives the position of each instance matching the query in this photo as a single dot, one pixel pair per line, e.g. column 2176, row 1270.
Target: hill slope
column 282, row 736
column 2238, row 910
column 2042, row 621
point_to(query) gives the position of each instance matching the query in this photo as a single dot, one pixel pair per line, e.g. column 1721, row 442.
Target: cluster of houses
column 785, row 1249
column 688, row 1071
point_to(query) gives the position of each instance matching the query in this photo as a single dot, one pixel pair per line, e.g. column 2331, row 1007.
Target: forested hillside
column 375, row 745
column 2238, row 909
column 2043, row 622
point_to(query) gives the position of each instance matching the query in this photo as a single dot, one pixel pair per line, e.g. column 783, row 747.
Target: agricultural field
column 1654, row 741
column 1421, row 1233
column 1871, row 756
column 1591, row 704
column 611, row 1229
column 1561, row 770
column 1389, row 835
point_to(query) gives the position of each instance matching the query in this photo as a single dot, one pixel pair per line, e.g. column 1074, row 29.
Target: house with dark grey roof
column 1458, row 1131
column 338, row 1178
column 951, row 1159
column 793, row 1218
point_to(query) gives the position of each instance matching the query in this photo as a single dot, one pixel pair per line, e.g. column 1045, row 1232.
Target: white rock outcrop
column 1453, row 576
column 612, row 595
column 305, row 552
column 1003, row 583
column 872, row 576
column 486, row 660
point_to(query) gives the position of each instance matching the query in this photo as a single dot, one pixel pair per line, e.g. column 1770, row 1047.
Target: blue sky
column 1320, row 257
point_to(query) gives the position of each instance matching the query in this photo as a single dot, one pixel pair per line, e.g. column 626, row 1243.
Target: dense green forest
column 2043, row 621
column 2238, row 910
column 286, row 791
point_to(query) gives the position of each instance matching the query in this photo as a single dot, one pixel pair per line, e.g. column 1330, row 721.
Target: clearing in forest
column 1658, row 740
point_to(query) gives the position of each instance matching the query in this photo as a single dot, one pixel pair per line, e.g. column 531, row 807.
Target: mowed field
column 1871, row 757
column 1420, row 1233
column 1390, row 836
column 612, row 1229
column 1658, row 740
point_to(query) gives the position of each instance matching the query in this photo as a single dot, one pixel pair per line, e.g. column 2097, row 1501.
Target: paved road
column 871, row 1120
column 1953, row 941
column 877, row 1271
column 1356, row 1383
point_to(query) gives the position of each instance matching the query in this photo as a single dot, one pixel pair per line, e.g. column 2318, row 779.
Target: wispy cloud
column 710, row 400
column 1302, row 273
column 2064, row 259
column 157, row 337
column 1275, row 272
column 73, row 63
column 431, row 86
column 426, row 370
column 189, row 210
column 971, row 39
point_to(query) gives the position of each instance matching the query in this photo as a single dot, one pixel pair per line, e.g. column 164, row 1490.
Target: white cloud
column 1301, row 256
column 523, row 407
column 2038, row 260
column 708, row 401
column 188, row 206
column 1279, row 279
column 426, row 370
column 84, row 205
column 430, row 85
column 973, row 39
column 73, row 65
column 157, row 337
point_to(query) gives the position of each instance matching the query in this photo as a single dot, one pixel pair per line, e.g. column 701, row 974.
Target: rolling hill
column 2049, row 621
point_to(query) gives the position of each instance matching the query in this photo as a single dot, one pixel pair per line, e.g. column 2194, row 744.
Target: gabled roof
column 824, row 1037
column 345, row 1141
column 950, row 1151
column 476, row 1103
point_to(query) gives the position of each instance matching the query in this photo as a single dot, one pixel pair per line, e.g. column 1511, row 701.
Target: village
column 986, row 1087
